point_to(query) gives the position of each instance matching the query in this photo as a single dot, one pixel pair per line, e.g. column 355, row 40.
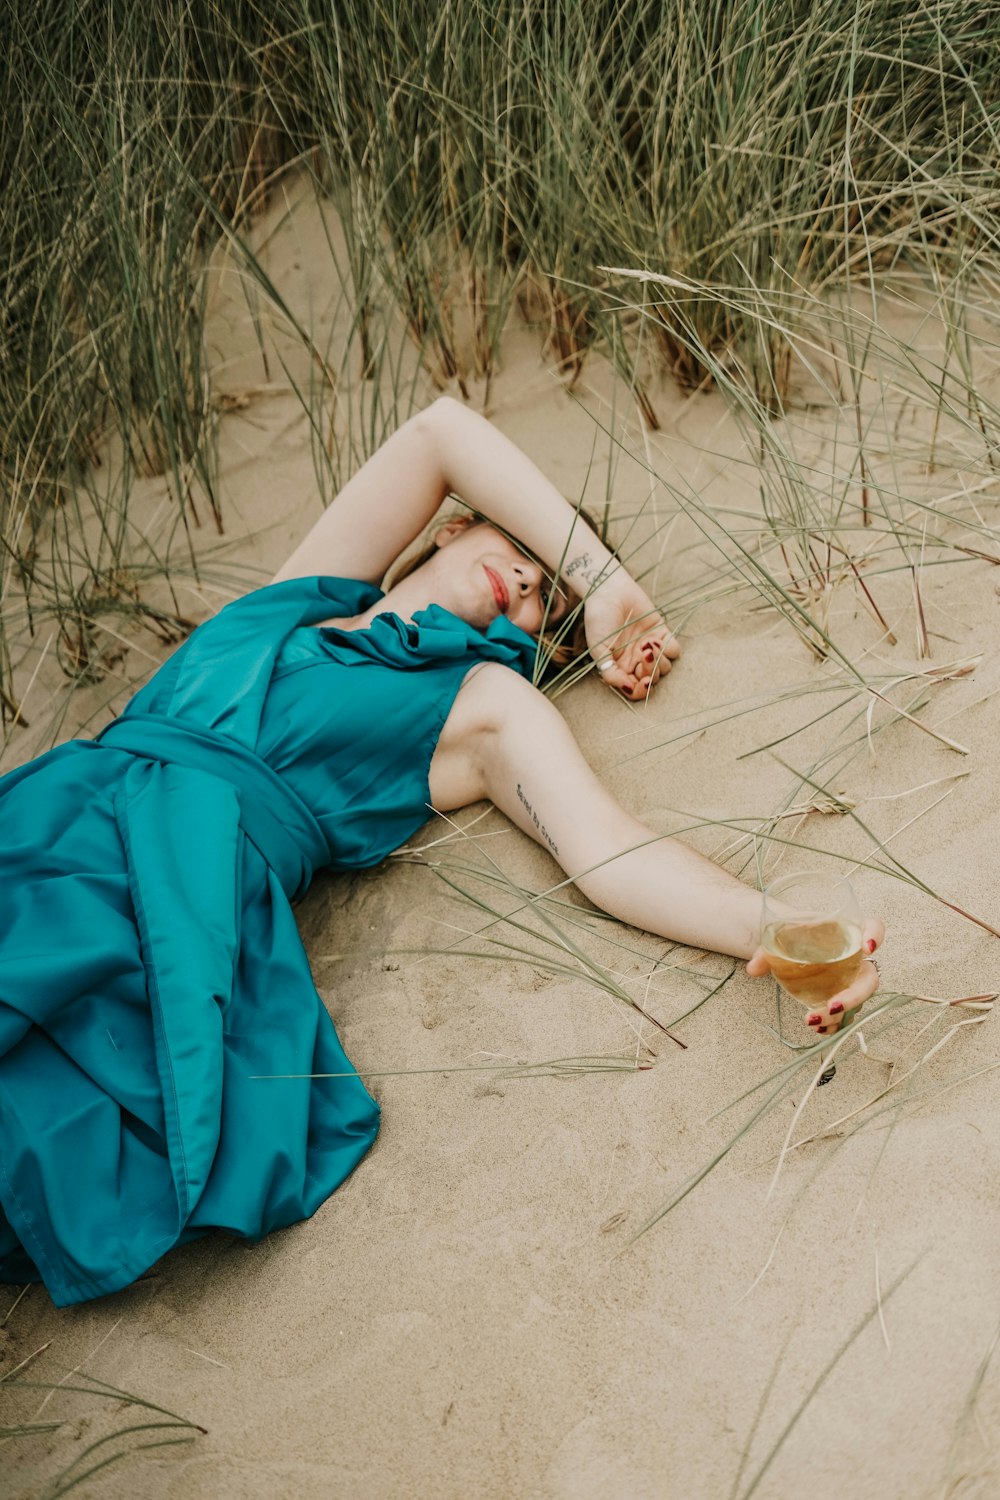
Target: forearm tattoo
column 585, row 566
column 536, row 820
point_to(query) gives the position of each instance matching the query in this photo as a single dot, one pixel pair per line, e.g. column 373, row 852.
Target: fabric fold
column 219, row 677
column 274, row 817
column 167, row 1065
column 435, row 634
column 180, row 830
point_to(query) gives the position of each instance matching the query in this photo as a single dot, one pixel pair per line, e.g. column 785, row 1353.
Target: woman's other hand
column 628, row 637
column 829, row 1018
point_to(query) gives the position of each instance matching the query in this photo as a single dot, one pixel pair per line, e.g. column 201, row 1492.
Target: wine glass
column 811, row 934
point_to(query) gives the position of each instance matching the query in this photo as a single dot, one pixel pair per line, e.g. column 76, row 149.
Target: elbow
column 432, row 429
column 449, row 430
column 434, row 419
column 602, row 893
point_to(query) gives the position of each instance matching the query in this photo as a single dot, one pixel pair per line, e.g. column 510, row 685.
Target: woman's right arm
column 380, row 510
column 449, row 449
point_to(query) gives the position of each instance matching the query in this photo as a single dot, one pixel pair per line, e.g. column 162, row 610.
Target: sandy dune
column 468, row 1315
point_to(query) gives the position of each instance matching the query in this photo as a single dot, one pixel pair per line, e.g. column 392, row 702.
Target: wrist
column 588, row 565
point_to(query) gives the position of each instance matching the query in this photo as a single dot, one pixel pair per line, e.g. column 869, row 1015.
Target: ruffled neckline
column 433, row 634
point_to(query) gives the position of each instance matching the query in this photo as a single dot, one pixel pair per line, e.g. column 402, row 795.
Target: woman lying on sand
column 150, row 966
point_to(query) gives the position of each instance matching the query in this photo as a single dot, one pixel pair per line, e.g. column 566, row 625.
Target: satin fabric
column 150, row 963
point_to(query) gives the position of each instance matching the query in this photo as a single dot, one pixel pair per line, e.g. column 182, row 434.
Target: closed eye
column 557, row 608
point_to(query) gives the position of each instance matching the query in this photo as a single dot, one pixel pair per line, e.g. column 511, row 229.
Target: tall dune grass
column 772, row 199
column 769, row 164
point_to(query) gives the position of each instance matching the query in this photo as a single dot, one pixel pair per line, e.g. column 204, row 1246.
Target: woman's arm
column 533, row 770
column 626, row 633
column 494, row 477
column 379, row 511
column 449, row 449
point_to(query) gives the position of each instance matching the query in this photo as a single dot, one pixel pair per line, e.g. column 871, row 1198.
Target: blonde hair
column 558, row 647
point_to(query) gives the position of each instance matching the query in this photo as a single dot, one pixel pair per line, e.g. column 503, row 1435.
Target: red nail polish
column 822, row 1030
column 814, row 1020
column 836, row 1008
column 871, row 945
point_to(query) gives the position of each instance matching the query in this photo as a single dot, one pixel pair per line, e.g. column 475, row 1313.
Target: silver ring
column 606, row 665
column 874, row 964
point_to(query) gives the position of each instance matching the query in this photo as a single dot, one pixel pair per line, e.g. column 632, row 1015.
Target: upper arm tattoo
column 536, row 820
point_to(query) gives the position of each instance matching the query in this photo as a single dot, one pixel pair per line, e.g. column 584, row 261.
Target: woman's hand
column 628, row 637
column 840, row 1008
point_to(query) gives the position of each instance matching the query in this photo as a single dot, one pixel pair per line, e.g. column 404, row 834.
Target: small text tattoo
column 587, row 569
column 536, row 820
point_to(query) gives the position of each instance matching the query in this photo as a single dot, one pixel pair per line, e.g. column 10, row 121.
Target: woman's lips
column 499, row 588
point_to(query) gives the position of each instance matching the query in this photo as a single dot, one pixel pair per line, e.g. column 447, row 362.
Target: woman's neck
column 403, row 599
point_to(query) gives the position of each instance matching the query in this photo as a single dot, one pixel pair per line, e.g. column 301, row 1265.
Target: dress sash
column 273, row 816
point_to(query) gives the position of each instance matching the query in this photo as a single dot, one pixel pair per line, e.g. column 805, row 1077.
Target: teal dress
column 150, row 963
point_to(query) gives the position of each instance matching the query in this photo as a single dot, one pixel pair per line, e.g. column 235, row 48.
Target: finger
column 823, row 1024
column 757, row 964
column 647, row 671
column 647, row 631
column 638, row 689
column 655, row 660
column 657, row 641
column 862, row 989
column 638, row 664
column 643, row 659
column 623, row 681
column 872, row 934
column 609, row 669
column 631, row 675
column 664, row 643
column 628, row 650
column 841, row 1008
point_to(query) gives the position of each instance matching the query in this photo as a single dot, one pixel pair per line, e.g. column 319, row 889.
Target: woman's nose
column 528, row 575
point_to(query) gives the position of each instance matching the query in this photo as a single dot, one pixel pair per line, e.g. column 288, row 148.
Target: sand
column 470, row 1314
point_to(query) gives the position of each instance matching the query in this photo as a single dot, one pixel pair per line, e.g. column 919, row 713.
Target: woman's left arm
column 533, row 770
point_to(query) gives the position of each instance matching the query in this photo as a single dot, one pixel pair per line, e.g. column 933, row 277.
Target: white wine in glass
column 811, row 933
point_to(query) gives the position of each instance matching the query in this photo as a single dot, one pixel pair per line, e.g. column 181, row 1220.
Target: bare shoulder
column 490, row 700
column 489, row 695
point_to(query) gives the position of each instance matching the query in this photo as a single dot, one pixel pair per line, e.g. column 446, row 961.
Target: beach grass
column 719, row 198
column 794, row 208
column 157, row 1428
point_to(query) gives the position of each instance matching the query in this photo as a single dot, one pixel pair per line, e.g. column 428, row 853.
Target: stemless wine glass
column 811, row 933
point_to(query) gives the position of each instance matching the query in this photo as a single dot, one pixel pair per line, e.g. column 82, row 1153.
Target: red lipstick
column 499, row 588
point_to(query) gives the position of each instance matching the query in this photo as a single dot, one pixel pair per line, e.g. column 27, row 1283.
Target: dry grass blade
column 894, row 1082
column 953, row 1482
column 824, row 1374
column 80, row 1468
column 895, row 865
column 556, row 1067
